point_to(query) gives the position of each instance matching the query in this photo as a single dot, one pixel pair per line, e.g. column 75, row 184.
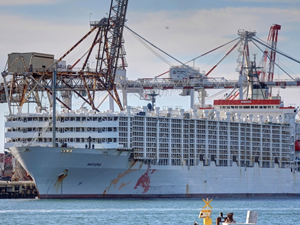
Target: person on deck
column 229, row 218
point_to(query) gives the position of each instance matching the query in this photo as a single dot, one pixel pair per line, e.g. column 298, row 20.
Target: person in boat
column 229, row 218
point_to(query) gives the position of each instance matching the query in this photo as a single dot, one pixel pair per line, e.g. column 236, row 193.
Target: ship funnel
column 270, row 118
column 217, row 115
column 279, row 119
column 250, row 117
column 228, row 116
column 259, row 118
column 238, row 116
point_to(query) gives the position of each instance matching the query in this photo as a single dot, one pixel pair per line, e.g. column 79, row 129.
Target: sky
column 183, row 29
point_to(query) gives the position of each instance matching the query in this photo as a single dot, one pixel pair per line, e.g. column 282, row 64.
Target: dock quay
column 18, row 189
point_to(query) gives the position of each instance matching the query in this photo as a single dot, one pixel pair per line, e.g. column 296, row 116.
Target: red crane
column 270, row 55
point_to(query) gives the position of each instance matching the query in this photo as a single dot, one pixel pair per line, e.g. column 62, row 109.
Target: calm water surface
column 154, row 211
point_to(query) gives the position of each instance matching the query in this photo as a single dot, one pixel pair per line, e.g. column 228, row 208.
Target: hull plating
column 90, row 173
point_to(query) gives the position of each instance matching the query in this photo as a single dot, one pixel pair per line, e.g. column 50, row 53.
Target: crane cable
column 282, row 53
column 277, row 51
column 212, row 50
column 184, row 65
column 275, row 62
column 286, row 68
column 151, row 49
column 202, row 55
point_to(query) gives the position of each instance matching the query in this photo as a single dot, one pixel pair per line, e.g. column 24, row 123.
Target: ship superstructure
column 170, row 137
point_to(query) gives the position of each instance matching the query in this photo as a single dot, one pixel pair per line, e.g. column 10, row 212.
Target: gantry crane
column 267, row 72
column 24, row 83
column 28, row 84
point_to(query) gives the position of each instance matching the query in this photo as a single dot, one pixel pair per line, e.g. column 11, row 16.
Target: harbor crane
column 21, row 84
column 25, row 80
column 268, row 60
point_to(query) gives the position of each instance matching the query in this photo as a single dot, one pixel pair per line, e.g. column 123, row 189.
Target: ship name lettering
column 66, row 150
column 246, row 101
column 94, row 164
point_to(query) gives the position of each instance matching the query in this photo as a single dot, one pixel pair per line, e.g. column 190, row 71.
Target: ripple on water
column 134, row 211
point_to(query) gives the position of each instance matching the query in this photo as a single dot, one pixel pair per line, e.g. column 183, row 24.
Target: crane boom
column 109, row 38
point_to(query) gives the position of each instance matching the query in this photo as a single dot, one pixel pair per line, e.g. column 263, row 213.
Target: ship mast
column 54, row 108
column 254, row 83
column 244, row 66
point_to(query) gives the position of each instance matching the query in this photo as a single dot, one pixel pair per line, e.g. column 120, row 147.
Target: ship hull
column 93, row 173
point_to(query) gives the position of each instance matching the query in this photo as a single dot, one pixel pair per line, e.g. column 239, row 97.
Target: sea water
column 145, row 211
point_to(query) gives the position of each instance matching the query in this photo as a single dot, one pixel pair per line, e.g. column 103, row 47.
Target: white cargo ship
column 237, row 147
column 240, row 149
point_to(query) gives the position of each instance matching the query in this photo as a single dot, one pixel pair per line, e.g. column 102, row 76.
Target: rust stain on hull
column 115, row 181
column 60, row 179
column 123, row 185
column 121, row 175
column 144, row 180
column 132, row 163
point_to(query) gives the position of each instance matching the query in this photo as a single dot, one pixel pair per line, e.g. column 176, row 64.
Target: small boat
column 205, row 214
